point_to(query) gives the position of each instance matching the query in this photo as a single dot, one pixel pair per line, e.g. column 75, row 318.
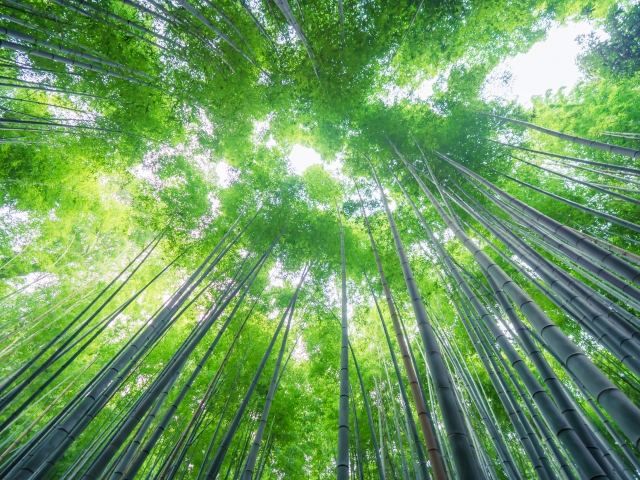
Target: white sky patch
column 34, row 280
column 225, row 174
column 52, row 214
column 110, row 189
column 390, row 201
column 206, row 219
column 271, row 142
column 425, row 89
column 263, row 79
column 277, row 275
column 423, row 248
column 88, row 115
column 191, row 150
column 301, row 158
column 120, row 329
column 419, row 90
column 32, row 75
column 447, row 235
column 147, row 171
column 261, row 127
column 159, row 26
column 256, row 8
column 502, row 325
column 261, row 132
column 392, row 94
column 335, row 167
column 286, row 37
column 19, row 226
column 550, row 64
column 330, row 291
column 526, row 266
column 205, row 124
column 300, row 353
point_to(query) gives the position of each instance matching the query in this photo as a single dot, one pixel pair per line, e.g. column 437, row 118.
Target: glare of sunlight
column 271, row 142
column 301, row 158
column 550, row 64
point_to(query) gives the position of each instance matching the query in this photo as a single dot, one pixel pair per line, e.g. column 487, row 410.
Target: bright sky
column 549, row 65
column 225, row 174
column 302, row 157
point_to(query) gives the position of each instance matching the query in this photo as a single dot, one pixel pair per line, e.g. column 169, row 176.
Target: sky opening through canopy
column 550, row 64
column 302, row 157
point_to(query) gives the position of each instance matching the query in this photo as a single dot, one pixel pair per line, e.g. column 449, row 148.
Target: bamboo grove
column 453, row 292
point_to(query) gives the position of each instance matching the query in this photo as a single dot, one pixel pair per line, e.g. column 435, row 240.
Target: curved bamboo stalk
column 43, row 450
column 564, row 432
column 578, row 240
column 611, row 166
column 422, row 463
column 607, row 216
column 607, row 147
column 606, row 191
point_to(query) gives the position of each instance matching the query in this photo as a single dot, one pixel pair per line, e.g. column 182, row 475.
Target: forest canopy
column 285, row 240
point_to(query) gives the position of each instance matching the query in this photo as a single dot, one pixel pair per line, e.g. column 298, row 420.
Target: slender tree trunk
column 606, row 191
column 574, row 255
column 538, row 462
column 175, row 459
column 342, row 463
column 142, row 256
column 47, row 447
column 481, row 405
column 610, row 166
column 607, row 147
column 467, row 464
column 129, row 470
column 607, row 216
column 356, row 436
column 67, row 61
column 88, row 58
column 285, row 8
column 218, row 459
column 201, row 470
column 367, row 408
column 167, row 378
column 607, row 326
column 555, row 339
column 422, row 463
column 399, row 444
column 46, row 88
column 575, row 239
column 210, row 26
column 252, row 457
column 426, row 425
